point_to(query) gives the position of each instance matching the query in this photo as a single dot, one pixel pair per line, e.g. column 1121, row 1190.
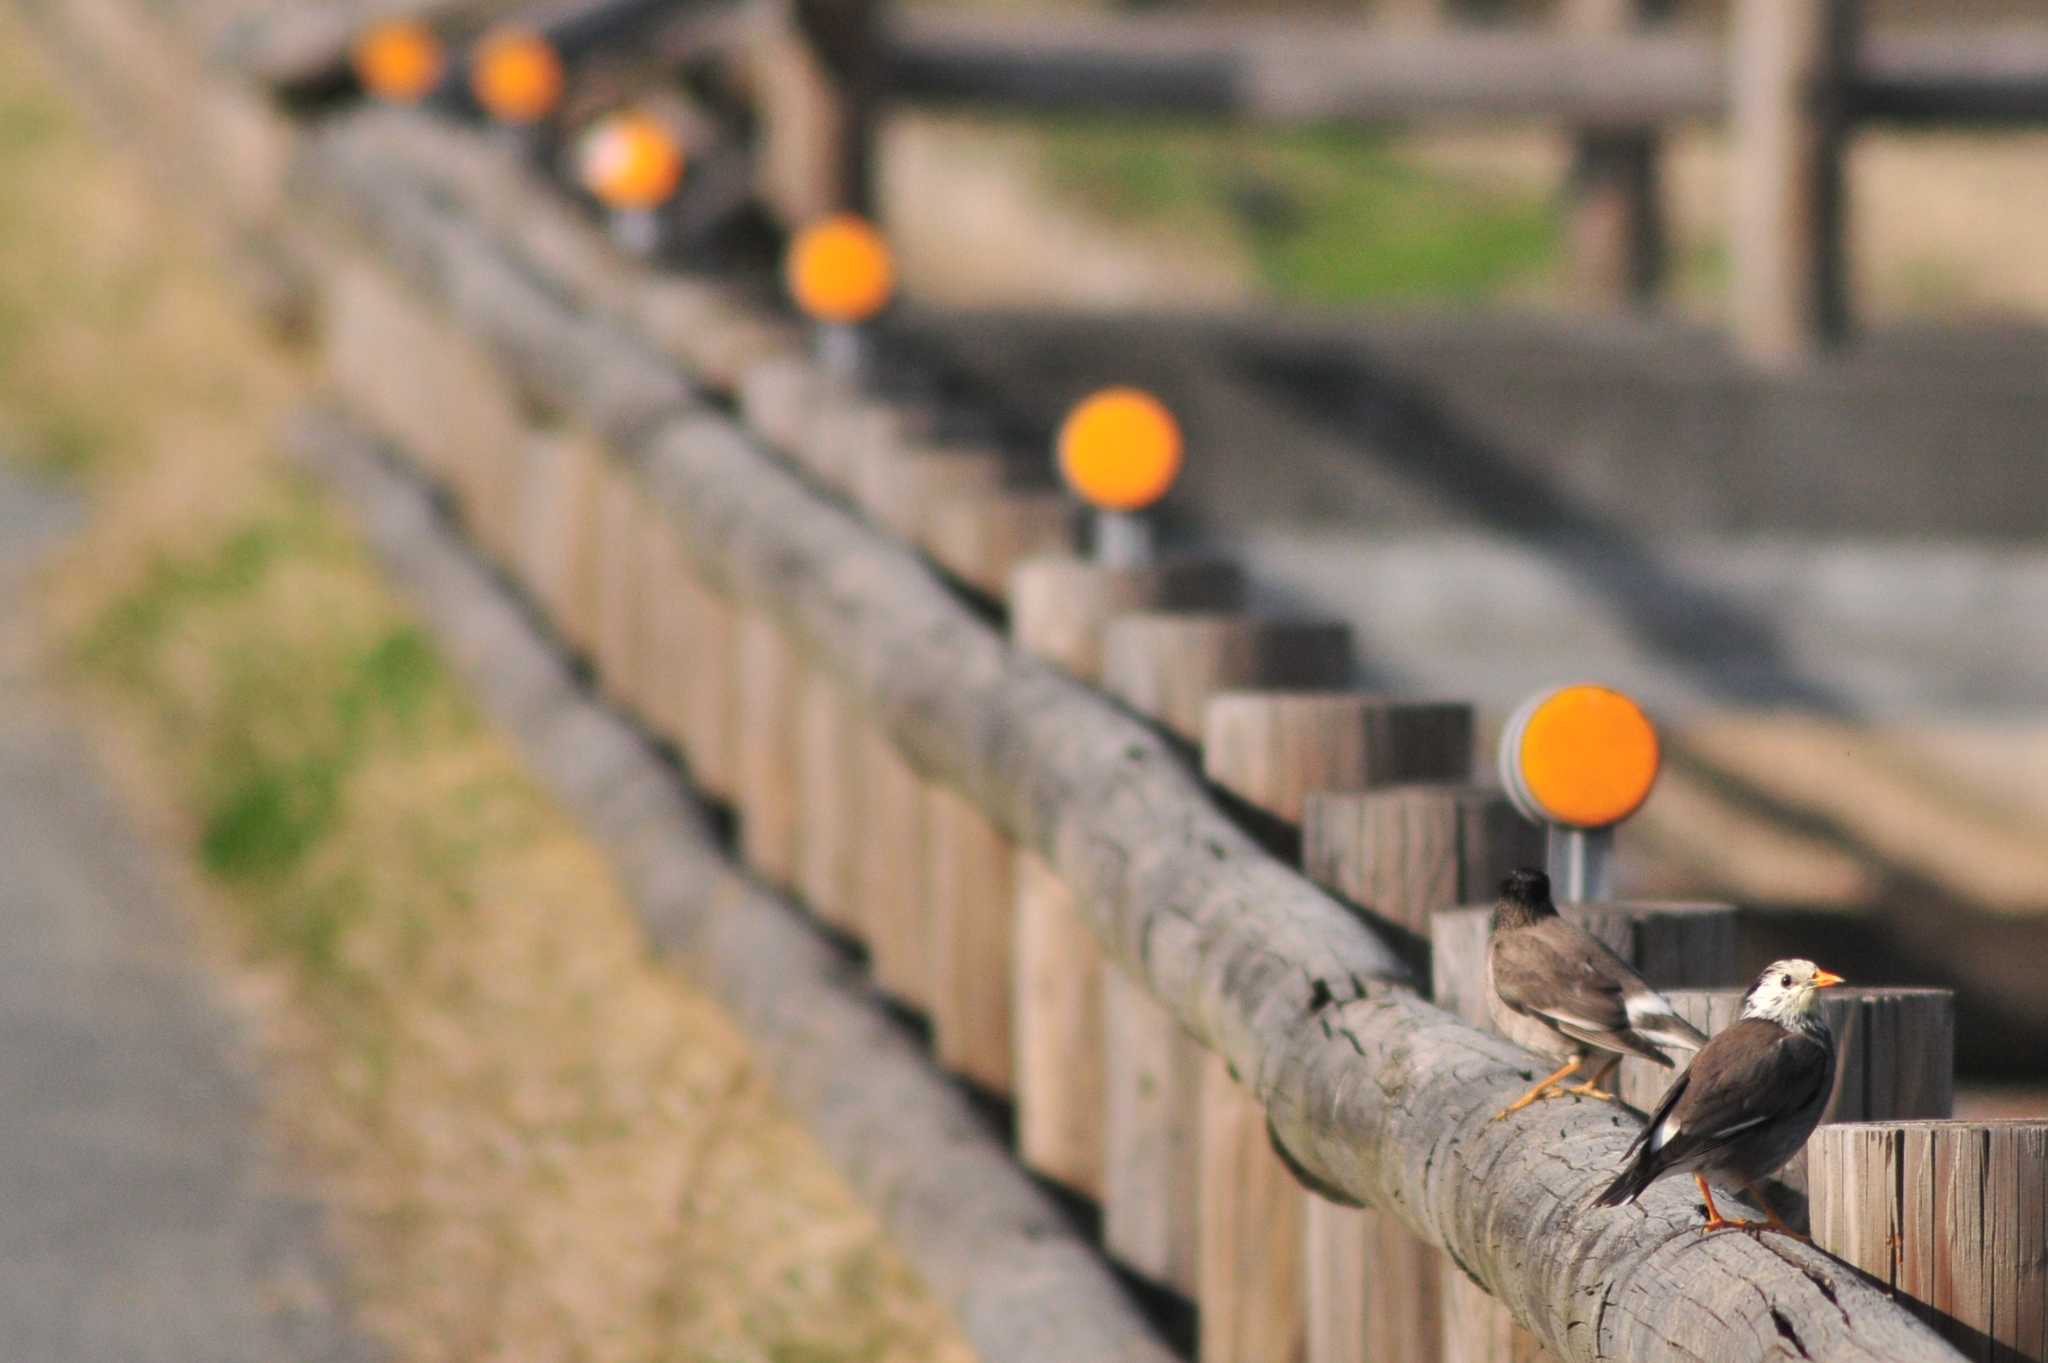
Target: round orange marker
column 400, row 60
column 630, row 162
column 840, row 270
column 1582, row 756
column 516, row 75
column 1120, row 450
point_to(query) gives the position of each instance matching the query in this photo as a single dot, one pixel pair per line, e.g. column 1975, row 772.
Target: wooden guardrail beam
column 1374, row 1094
column 1294, row 71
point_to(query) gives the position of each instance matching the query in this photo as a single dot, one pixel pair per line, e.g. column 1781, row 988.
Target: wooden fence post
column 620, row 585
column 1374, row 1290
column 770, row 674
column 1167, row 667
column 1060, row 607
column 1615, row 234
column 1953, row 1215
column 1789, row 66
column 819, row 79
column 1273, row 751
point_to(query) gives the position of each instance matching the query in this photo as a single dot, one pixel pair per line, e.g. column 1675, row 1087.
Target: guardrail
column 789, row 574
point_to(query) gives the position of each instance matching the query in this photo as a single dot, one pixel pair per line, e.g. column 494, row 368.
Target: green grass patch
column 1330, row 215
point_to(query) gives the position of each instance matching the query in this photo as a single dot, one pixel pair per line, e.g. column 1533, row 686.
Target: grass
column 535, row 1142
column 1329, row 215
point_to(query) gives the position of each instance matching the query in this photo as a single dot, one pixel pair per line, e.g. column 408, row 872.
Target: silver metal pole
column 843, row 353
column 1123, row 539
column 1580, row 863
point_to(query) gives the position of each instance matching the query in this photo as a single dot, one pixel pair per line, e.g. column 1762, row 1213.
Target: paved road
column 140, row 1219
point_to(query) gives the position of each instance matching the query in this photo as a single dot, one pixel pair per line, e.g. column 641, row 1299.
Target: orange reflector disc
column 400, row 60
column 840, row 270
column 630, row 161
column 1588, row 756
column 516, row 76
column 1120, row 450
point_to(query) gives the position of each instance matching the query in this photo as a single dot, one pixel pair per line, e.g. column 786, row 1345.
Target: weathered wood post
column 840, row 274
column 818, row 78
column 1273, row 751
column 1789, row 68
column 1615, row 233
column 622, row 517
column 632, row 163
column 1399, row 853
column 1060, row 608
column 1952, row 1214
column 1166, row 667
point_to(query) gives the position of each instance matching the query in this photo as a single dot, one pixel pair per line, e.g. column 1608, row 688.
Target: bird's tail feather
column 1629, row 1186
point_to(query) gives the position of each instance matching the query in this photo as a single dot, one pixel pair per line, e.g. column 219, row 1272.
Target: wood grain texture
column 1272, row 750
column 711, row 688
column 1369, row 1089
column 770, row 682
column 1168, row 665
column 1152, row 1113
column 558, row 490
column 894, row 908
column 1059, row 608
column 1058, row 1027
column 1400, row 853
column 1061, row 605
column 981, row 538
column 1275, row 749
column 829, row 800
column 1952, row 1214
column 620, row 582
column 1251, row 1217
column 972, row 906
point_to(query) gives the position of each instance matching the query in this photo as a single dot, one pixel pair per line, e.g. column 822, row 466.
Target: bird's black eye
column 1784, row 981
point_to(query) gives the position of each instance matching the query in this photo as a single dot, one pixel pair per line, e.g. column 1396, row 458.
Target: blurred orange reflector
column 516, row 76
column 401, row 61
column 840, row 270
column 1588, row 756
column 1120, row 450
column 630, row 161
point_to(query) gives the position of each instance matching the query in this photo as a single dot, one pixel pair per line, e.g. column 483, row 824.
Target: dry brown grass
column 538, row 1144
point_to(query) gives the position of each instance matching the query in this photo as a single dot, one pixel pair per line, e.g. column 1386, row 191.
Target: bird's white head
column 1788, row 993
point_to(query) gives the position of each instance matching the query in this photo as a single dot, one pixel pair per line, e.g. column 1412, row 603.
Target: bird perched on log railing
column 1748, row 1101
column 1555, row 989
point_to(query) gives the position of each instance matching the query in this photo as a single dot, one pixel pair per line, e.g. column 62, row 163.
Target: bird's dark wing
column 1749, row 1074
column 1562, row 974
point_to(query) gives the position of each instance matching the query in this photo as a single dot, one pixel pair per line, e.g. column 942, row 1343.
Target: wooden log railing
column 1371, row 1094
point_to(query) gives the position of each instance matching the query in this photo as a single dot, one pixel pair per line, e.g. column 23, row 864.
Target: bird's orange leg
column 1716, row 1221
column 1591, row 1088
column 1542, row 1090
column 1775, row 1221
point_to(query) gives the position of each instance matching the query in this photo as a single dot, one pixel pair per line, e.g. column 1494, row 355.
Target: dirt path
column 144, row 1217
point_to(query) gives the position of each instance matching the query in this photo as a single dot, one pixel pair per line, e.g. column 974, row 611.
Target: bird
column 1555, row 989
column 1747, row 1102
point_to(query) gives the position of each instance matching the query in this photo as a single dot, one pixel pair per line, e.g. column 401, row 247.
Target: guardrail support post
column 1273, row 751
column 1951, row 1214
column 1790, row 66
column 1374, row 1289
column 1615, row 236
column 1059, row 608
column 1167, row 667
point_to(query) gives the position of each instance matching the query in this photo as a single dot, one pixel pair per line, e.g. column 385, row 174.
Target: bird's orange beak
column 1826, row 979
